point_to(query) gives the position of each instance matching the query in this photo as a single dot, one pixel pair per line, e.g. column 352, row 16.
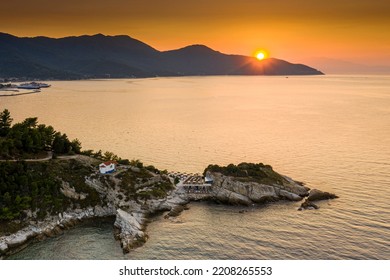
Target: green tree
column 76, row 146
column 110, row 156
column 7, row 199
column 47, row 134
column 5, row 122
column 137, row 163
column 30, row 122
column 61, row 144
column 98, row 154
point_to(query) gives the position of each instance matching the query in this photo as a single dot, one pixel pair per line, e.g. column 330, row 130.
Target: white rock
column 127, row 222
column 3, row 247
column 17, row 239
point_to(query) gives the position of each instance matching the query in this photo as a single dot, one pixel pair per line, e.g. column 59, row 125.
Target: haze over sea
column 331, row 132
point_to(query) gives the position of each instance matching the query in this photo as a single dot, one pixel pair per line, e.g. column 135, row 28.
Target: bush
column 249, row 171
column 124, row 161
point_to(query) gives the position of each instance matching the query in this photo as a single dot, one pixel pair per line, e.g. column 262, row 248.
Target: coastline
column 17, row 93
column 49, row 227
column 132, row 217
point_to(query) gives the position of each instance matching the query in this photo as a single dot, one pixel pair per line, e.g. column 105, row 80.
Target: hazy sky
column 296, row 30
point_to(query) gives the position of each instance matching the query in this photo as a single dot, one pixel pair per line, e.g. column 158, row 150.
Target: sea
column 331, row 132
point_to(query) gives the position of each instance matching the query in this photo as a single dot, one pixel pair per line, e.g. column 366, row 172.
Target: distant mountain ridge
column 100, row 56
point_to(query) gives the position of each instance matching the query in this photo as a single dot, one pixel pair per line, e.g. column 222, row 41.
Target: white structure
column 208, row 180
column 107, row 167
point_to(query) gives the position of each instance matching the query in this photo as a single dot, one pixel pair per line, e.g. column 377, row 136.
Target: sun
column 260, row 55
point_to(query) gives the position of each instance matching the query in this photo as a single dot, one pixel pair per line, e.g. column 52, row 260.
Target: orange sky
column 295, row 30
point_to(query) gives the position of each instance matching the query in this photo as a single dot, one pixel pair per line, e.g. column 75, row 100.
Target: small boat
column 33, row 85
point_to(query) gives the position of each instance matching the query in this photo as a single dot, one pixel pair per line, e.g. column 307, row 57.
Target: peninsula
column 48, row 184
column 101, row 56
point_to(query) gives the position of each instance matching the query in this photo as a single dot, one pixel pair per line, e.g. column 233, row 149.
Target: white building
column 107, row 167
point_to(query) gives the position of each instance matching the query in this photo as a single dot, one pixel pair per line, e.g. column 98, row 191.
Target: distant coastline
column 100, row 56
column 9, row 90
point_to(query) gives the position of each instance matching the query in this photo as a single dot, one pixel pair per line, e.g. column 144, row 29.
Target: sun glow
column 260, row 55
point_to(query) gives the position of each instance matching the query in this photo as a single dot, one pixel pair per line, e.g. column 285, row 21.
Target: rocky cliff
column 232, row 190
column 249, row 183
column 51, row 226
column 132, row 194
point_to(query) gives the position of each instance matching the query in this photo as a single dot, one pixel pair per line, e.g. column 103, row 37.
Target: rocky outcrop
column 51, row 226
column 230, row 197
column 308, row 205
column 316, row 195
column 131, row 222
column 131, row 226
column 70, row 192
column 175, row 211
column 231, row 190
column 290, row 196
column 131, row 215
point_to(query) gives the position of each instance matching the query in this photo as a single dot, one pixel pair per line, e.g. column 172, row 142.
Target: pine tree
column 5, row 122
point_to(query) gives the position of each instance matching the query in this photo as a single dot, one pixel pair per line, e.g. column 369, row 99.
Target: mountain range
column 100, row 56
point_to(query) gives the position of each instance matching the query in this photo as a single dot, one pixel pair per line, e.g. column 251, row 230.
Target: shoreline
column 129, row 228
column 17, row 93
column 50, row 227
column 132, row 216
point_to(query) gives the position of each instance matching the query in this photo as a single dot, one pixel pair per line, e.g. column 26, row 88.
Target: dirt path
column 48, row 157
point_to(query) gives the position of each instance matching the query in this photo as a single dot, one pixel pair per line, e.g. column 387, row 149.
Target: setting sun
column 260, row 55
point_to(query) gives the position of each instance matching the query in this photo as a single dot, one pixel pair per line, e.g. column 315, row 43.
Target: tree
column 59, row 143
column 29, row 137
column 47, row 134
column 110, row 156
column 98, row 154
column 5, row 122
column 76, row 146
column 30, row 122
column 137, row 163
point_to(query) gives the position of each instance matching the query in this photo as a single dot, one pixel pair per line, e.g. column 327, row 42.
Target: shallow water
column 331, row 132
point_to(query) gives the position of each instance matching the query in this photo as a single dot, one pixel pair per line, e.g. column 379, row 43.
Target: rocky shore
column 230, row 190
column 315, row 195
column 132, row 195
column 51, row 226
column 131, row 223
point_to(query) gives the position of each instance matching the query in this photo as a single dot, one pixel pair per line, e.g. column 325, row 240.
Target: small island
column 49, row 184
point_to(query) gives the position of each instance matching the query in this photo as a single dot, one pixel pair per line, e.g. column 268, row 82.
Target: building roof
column 107, row 163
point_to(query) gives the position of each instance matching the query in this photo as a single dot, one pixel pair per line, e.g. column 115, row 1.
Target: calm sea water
column 332, row 132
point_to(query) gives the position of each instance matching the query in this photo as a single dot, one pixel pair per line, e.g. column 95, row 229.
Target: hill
column 101, row 56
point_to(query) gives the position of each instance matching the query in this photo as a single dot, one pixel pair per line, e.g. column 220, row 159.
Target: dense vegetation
column 31, row 190
column 24, row 188
column 36, row 187
column 136, row 184
column 29, row 139
column 244, row 171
